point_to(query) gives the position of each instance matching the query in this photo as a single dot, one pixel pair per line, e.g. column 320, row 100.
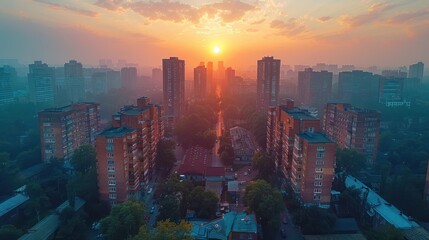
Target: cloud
column 57, row 6
column 251, row 30
column 110, row 4
column 291, row 27
column 258, row 22
column 166, row 10
column 406, row 17
column 374, row 13
column 324, row 19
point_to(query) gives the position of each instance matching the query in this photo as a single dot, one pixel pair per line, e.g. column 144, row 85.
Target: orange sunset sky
column 361, row 32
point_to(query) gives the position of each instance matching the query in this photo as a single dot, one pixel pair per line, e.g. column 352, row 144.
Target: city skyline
column 298, row 34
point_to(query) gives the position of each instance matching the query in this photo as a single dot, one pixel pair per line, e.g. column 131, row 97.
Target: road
column 216, row 162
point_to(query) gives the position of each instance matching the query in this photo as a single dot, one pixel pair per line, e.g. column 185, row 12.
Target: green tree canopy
column 267, row 203
column 204, row 203
column 350, row 161
column 165, row 157
column 10, row 232
column 314, row 220
column 38, row 202
column 72, row 225
column 264, row 164
column 124, row 220
column 166, row 230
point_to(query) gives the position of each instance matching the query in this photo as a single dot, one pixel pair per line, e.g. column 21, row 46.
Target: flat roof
column 315, row 137
column 354, row 236
column 116, row 132
column 12, row 203
column 48, row 225
column 244, row 223
column 299, row 114
column 33, row 170
column 386, row 210
column 242, row 140
column 132, row 110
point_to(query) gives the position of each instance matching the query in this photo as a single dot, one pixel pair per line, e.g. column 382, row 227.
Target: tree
column 178, row 189
column 165, row 157
column 38, row 201
column 166, row 230
column 169, row 208
column 10, row 232
column 384, row 233
column 72, row 225
column 314, row 220
column 227, row 158
column 267, row 203
column 350, row 161
column 84, row 159
column 264, row 164
column 124, row 220
column 8, row 174
column 204, row 203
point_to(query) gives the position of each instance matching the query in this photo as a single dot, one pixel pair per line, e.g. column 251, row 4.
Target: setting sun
column 216, row 50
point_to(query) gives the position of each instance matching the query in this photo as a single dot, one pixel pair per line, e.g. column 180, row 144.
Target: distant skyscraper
column 210, row 84
column 157, row 75
column 391, row 89
column 7, row 75
column 358, row 88
column 229, row 75
column 416, row 71
column 268, row 83
column 173, row 91
column 314, row 88
column 41, row 83
column 220, row 71
column 129, row 77
column 394, row 74
column 74, row 81
column 200, row 82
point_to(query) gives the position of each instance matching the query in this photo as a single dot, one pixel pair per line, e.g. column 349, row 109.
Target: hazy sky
column 360, row 32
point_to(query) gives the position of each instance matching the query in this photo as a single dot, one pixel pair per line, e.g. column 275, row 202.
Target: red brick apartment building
column 353, row 128
column 313, row 167
column 146, row 120
column 303, row 153
column 64, row 129
column 283, row 123
column 118, row 165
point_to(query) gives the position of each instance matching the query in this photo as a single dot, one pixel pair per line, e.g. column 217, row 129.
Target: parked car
column 149, row 191
column 152, row 209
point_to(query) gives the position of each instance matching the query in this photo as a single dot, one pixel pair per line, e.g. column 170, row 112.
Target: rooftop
column 386, row 210
column 33, row 170
column 354, row 236
column 244, row 223
column 196, row 160
column 68, row 108
column 299, row 114
column 132, row 110
column 13, row 202
column 242, row 140
column 48, row 225
column 116, row 132
column 315, row 137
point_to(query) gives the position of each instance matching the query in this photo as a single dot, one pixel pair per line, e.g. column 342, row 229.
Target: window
column 111, row 175
column 317, row 190
column 319, row 169
column 110, row 169
column 112, row 195
column 320, row 148
column 319, row 162
column 316, row 197
column 318, row 176
column 110, row 155
column 109, row 147
column 112, row 183
column 320, row 155
column 317, row 183
column 110, row 162
column 112, row 189
column 110, row 140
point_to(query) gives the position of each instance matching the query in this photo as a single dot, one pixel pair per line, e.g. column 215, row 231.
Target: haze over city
column 362, row 33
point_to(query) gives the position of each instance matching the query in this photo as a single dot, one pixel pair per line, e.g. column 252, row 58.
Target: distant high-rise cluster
column 126, row 152
column 7, row 76
column 41, row 84
column 416, row 71
column 173, row 91
column 314, row 88
column 268, row 83
column 353, row 128
column 200, row 82
column 64, row 129
column 74, row 80
column 301, row 151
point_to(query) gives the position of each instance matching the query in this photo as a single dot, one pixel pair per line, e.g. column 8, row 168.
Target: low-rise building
column 243, row 144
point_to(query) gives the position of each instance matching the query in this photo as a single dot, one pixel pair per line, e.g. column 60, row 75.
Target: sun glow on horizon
column 216, row 50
